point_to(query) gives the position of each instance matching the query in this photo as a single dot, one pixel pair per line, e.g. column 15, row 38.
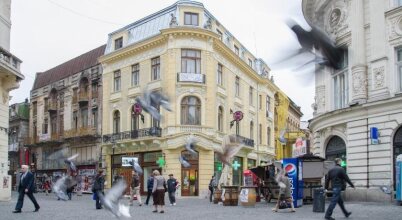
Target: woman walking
column 158, row 191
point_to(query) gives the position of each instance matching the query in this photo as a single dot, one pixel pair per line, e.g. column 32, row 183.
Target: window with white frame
column 117, row 81
column 135, row 75
column 220, row 74
column 190, row 61
column 237, row 86
column 340, row 84
column 399, row 68
column 251, row 94
column 156, row 68
column 190, row 19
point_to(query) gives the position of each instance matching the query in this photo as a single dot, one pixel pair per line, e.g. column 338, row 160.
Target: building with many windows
column 18, row 154
column 358, row 109
column 184, row 52
column 10, row 77
column 65, row 113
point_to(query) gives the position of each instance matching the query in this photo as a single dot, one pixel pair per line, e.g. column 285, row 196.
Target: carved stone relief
column 320, row 98
column 336, row 18
column 359, row 83
column 379, row 77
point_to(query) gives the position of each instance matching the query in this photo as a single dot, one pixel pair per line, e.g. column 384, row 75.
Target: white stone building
column 365, row 94
column 10, row 76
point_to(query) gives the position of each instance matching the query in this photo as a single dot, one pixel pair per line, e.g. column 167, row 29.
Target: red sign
column 137, row 109
column 238, row 116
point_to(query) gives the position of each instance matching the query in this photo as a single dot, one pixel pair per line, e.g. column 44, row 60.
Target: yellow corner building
column 185, row 53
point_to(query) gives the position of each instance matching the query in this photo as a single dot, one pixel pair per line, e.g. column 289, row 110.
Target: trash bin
column 318, row 200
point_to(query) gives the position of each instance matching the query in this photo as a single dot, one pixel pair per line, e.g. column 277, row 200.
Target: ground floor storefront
column 163, row 155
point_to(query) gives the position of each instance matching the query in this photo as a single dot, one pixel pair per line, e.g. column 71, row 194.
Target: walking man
column 337, row 176
column 211, row 187
column 26, row 186
column 171, row 187
column 98, row 187
column 150, row 185
column 135, row 189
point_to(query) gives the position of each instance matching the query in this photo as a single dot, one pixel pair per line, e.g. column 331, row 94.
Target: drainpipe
column 258, row 125
column 368, row 159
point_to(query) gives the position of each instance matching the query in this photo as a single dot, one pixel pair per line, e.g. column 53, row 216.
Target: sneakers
column 162, row 211
column 348, row 214
column 155, row 211
column 17, row 211
column 174, row 204
column 329, row 218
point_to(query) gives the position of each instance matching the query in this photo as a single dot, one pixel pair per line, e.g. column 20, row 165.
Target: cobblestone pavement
column 83, row 207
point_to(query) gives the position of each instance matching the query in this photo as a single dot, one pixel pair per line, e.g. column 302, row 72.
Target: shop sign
column 86, row 172
column 299, row 147
column 244, row 195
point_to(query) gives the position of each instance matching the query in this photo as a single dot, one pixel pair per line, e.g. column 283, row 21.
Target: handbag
column 94, row 196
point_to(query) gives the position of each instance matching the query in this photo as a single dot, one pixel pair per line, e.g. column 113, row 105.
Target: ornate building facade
column 10, row 77
column 363, row 97
column 65, row 113
column 185, row 53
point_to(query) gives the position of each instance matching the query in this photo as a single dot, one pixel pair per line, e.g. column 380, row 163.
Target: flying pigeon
column 190, row 145
column 149, row 100
column 70, row 164
column 61, row 186
column 184, row 162
column 230, row 147
column 112, row 198
column 317, row 40
column 282, row 138
column 136, row 167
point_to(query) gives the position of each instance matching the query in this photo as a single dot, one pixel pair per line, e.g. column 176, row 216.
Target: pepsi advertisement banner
column 292, row 166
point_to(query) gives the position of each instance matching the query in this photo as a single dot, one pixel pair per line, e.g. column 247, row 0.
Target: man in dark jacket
column 98, row 187
column 150, row 185
column 25, row 186
column 171, row 188
column 337, row 176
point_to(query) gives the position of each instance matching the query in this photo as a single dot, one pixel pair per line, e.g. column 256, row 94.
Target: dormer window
column 118, row 43
column 190, row 19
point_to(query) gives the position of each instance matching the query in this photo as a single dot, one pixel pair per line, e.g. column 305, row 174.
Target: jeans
column 98, row 203
column 149, row 195
column 336, row 198
column 211, row 194
column 172, row 197
column 20, row 201
column 69, row 194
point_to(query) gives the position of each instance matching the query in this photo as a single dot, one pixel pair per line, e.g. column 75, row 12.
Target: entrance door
column 397, row 151
column 189, row 175
column 189, row 179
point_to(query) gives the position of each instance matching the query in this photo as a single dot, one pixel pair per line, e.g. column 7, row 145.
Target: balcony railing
column 31, row 140
column 246, row 141
column 52, row 106
column 191, row 77
column 83, row 97
column 6, row 58
column 135, row 134
column 83, row 131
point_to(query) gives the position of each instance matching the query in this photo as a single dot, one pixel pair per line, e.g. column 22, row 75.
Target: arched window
column 220, row 118
column 251, row 130
column 190, row 111
column 116, row 122
column 336, row 148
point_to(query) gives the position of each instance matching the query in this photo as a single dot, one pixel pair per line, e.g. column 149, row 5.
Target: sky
column 46, row 33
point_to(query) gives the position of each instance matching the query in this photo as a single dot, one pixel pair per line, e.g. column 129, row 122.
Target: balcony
column 246, row 141
column 52, row 107
column 31, row 140
column 191, row 77
column 80, row 132
column 83, row 98
column 9, row 63
column 14, row 147
column 135, row 134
